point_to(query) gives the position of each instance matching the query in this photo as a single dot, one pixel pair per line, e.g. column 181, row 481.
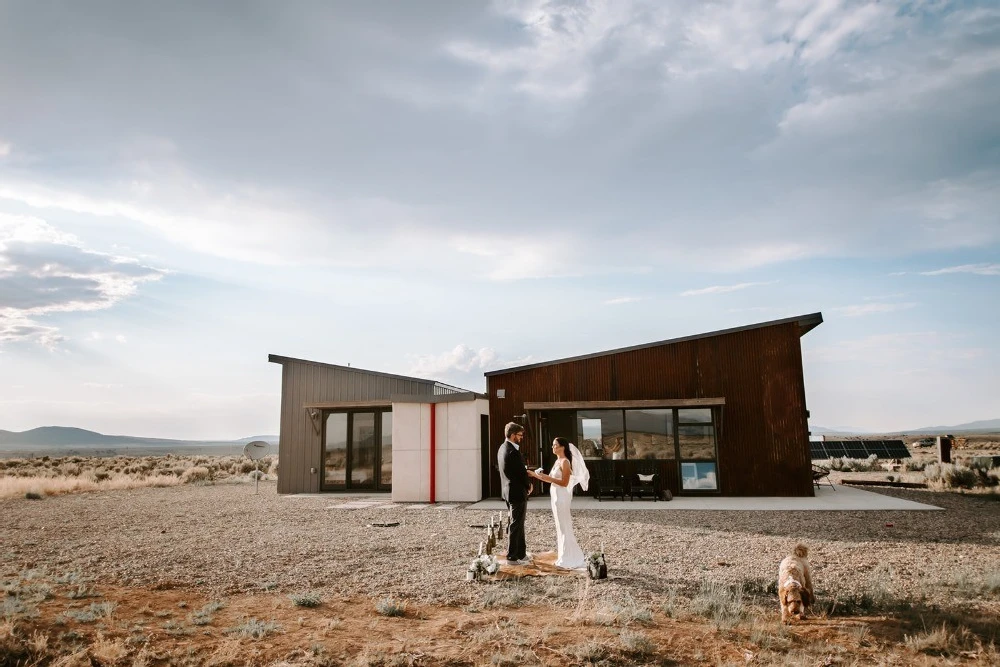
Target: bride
column 568, row 470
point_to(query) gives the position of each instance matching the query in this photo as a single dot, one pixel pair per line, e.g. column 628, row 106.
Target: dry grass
column 45, row 476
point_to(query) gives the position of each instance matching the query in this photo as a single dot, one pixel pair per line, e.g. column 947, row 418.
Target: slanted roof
column 439, row 387
column 806, row 324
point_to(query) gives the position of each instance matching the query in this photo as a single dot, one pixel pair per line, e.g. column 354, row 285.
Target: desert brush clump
column 37, row 478
column 389, row 606
column 254, row 628
column 723, row 604
column 306, row 599
column 847, row 464
column 950, row 475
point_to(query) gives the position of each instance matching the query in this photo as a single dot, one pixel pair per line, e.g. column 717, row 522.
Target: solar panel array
column 858, row 449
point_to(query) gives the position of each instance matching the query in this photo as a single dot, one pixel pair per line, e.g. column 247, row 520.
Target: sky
column 441, row 189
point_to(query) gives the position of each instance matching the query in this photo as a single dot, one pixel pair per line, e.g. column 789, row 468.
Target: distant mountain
column 982, row 426
column 836, row 430
column 68, row 436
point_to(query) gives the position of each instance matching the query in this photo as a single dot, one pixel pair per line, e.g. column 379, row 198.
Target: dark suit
column 514, row 483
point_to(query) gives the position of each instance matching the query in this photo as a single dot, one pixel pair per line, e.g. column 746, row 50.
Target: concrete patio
column 840, row 498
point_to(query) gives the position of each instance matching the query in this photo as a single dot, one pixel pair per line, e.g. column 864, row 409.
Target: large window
column 335, row 453
column 386, row 449
column 357, row 450
column 601, row 434
column 684, row 435
column 696, row 446
column 650, row 433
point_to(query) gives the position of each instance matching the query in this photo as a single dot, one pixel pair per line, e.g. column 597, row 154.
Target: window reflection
column 699, row 476
column 335, row 450
column 650, row 433
column 601, row 434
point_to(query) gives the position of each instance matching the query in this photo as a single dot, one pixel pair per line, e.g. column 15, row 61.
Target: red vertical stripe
column 433, row 448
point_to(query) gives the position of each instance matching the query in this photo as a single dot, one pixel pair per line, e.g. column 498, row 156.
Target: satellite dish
column 256, row 450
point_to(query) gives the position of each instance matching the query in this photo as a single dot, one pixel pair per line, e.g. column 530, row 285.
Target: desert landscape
column 176, row 560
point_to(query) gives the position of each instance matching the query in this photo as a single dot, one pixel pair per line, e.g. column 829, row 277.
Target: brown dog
column 795, row 591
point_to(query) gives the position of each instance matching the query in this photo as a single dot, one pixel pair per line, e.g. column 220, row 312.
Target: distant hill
column 68, row 436
column 982, row 426
column 835, row 430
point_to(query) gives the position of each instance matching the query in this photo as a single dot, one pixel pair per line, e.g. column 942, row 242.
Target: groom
column 514, row 487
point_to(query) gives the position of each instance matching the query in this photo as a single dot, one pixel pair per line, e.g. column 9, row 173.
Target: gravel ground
column 224, row 539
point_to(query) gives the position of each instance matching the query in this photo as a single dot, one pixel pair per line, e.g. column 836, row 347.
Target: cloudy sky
column 445, row 188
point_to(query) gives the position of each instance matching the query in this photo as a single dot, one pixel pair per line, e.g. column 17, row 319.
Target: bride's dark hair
column 564, row 443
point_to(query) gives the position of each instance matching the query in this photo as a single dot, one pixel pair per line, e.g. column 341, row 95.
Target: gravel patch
column 224, row 539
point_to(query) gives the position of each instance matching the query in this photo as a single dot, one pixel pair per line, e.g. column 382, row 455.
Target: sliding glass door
column 357, row 451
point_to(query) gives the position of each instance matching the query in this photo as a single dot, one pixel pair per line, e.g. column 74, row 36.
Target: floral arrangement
column 482, row 564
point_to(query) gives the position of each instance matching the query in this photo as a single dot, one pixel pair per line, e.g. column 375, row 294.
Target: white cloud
column 724, row 289
column 462, row 360
column 121, row 338
column 872, row 308
column 623, row 299
column 44, row 271
column 4, row 148
column 982, row 269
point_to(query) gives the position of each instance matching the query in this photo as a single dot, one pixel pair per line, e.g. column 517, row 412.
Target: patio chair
column 645, row 481
column 607, row 482
column 819, row 474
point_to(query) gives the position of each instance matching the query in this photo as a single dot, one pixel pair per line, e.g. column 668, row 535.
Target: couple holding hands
column 515, row 485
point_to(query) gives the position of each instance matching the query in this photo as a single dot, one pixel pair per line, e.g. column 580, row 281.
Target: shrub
column 306, row 599
column 913, row 465
column 591, row 652
column 390, row 607
column 942, row 641
column 33, row 495
column 636, row 643
column 722, row 604
column 254, row 628
column 204, row 615
column 196, row 474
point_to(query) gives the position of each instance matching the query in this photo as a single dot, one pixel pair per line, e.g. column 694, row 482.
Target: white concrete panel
column 425, row 426
column 463, row 426
column 464, row 479
column 410, row 476
column 405, row 427
column 441, row 435
column 441, row 476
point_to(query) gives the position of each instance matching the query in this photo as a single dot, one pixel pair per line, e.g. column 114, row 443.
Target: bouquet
column 482, row 564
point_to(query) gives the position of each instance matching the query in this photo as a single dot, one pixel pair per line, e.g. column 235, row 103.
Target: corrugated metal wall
column 303, row 383
column 763, row 433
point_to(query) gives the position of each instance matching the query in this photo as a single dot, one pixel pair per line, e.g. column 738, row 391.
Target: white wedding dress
column 570, row 555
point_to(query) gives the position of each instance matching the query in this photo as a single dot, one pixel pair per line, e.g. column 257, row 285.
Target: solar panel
column 877, row 447
column 816, row 451
column 896, row 449
column 834, row 448
column 855, row 449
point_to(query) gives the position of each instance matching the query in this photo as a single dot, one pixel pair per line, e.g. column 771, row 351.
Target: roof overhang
column 613, row 405
column 806, row 323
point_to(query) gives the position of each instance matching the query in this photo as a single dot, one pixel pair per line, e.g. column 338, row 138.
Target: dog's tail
column 801, row 550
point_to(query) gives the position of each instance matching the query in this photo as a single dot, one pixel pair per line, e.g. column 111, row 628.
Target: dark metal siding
column 762, row 433
column 300, row 446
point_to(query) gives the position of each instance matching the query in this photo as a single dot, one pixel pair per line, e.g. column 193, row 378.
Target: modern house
column 348, row 429
column 716, row 413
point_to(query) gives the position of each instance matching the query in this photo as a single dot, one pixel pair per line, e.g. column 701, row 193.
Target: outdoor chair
column 819, row 474
column 645, row 481
column 607, row 481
